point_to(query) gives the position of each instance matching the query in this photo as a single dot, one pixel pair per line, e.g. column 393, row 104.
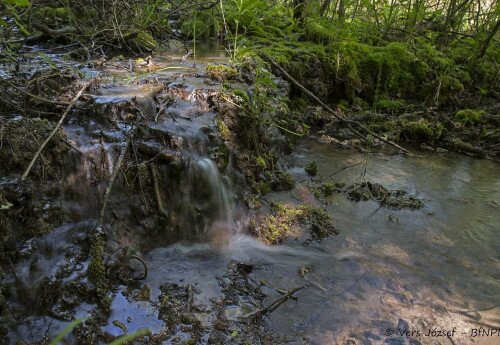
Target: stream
column 387, row 271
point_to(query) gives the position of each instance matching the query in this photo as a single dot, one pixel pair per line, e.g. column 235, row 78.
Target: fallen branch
column 273, row 306
column 54, row 131
column 349, row 123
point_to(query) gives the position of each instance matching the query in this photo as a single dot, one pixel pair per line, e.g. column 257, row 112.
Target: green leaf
column 3, row 22
column 68, row 329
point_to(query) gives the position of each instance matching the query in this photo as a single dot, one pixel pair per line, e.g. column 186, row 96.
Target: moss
column 97, row 268
column 260, row 162
column 282, row 180
column 241, row 96
column 223, row 130
column 120, row 325
column 288, row 221
column 389, row 104
column 141, row 41
column 312, row 168
column 280, row 225
column 422, row 130
column 328, row 188
column 221, row 73
column 144, row 294
column 318, row 221
column 469, row 116
column 263, row 188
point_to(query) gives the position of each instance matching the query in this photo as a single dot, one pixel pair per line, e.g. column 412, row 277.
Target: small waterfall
column 211, row 201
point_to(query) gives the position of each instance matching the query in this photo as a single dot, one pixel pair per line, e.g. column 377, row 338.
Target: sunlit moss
column 221, row 73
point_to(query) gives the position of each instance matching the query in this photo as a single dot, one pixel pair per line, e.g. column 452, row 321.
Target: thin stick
column 347, row 167
column 54, row 131
column 273, row 306
column 117, row 169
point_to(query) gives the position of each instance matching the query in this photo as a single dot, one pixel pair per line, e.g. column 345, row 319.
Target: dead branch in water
column 349, row 123
column 54, row 131
column 273, row 306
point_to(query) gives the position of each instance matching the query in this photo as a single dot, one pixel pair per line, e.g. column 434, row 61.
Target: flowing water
column 435, row 268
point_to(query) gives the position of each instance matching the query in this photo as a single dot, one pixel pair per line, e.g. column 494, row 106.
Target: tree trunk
column 486, row 42
column 298, row 9
column 325, row 7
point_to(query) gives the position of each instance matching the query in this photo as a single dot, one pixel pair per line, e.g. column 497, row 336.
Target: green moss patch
column 221, row 73
column 469, row 116
column 288, row 221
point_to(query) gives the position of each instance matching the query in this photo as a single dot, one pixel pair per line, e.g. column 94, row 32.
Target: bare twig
column 54, row 131
column 273, row 306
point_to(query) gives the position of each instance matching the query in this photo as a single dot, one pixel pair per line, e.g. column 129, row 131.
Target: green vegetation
column 289, row 221
column 422, row 130
column 312, row 168
column 221, row 73
column 469, row 116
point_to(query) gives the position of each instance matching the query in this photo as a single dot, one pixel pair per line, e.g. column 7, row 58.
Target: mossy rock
column 312, row 168
column 289, row 221
column 141, row 41
column 97, row 267
column 469, row 116
column 221, row 73
column 223, row 129
column 282, row 180
column 422, row 130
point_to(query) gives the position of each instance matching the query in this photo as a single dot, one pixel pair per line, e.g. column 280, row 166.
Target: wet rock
column 396, row 199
